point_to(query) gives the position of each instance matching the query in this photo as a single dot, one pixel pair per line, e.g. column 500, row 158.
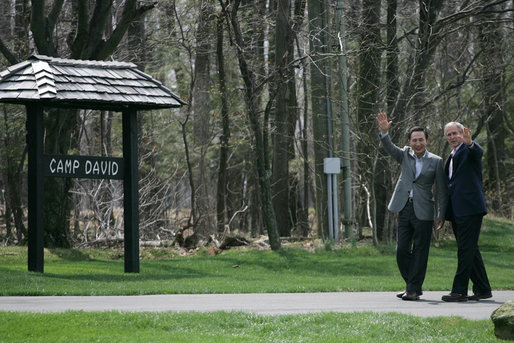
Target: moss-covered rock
column 503, row 319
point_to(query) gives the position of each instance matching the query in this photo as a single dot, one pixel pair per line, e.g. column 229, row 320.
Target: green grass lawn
column 100, row 272
column 238, row 327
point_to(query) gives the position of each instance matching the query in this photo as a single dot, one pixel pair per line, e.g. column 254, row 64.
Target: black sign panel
column 86, row 167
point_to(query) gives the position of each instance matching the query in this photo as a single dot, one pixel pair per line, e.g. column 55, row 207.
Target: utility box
column 332, row 165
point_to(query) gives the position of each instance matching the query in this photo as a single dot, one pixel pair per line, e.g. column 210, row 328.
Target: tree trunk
column 306, row 182
column 225, row 136
column 201, row 114
column 292, row 114
column 304, row 188
column 492, row 70
column 368, row 86
column 392, row 52
column 21, row 28
column 347, row 198
column 319, row 97
column 59, row 127
column 281, row 131
column 392, row 90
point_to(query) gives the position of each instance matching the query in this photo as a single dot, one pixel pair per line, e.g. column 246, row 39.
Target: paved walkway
column 430, row 304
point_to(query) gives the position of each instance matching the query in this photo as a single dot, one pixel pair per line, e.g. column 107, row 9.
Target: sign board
column 86, row 167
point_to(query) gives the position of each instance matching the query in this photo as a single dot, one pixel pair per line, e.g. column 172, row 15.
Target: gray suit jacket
column 432, row 172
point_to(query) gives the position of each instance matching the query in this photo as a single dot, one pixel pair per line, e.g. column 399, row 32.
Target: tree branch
column 7, row 53
column 54, row 14
column 460, row 81
column 38, row 26
column 96, row 30
column 82, row 29
column 130, row 14
column 507, row 122
column 473, row 11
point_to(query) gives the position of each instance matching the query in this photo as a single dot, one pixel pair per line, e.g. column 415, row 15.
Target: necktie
column 450, row 168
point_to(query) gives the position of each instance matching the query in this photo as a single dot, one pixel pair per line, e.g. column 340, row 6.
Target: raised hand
column 466, row 136
column 383, row 123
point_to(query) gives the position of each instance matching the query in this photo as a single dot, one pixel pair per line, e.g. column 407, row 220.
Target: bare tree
column 221, row 193
column 492, row 70
column 318, row 14
column 259, row 131
column 204, row 219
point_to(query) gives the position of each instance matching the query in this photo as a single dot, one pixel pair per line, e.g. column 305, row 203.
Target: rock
column 503, row 319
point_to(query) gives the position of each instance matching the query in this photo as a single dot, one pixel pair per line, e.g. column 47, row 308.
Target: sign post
column 35, row 188
column 130, row 191
column 90, row 167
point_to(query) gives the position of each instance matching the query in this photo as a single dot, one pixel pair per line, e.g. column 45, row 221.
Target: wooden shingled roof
column 83, row 84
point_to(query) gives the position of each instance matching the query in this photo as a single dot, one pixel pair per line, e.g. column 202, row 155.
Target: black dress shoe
column 401, row 294
column 478, row 296
column 455, row 297
column 410, row 296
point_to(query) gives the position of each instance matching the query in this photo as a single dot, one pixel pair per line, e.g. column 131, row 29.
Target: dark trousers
column 412, row 248
column 470, row 264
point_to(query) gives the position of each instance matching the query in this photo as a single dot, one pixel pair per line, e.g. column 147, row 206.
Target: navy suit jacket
column 465, row 191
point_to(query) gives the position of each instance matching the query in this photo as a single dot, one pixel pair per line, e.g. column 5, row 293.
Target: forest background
column 272, row 88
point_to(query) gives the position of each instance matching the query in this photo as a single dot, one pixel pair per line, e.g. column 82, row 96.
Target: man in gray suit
column 414, row 201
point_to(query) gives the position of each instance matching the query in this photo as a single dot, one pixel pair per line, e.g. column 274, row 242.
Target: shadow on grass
column 244, row 266
column 71, row 254
column 302, row 262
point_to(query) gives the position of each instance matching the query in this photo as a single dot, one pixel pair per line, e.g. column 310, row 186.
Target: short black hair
column 416, row 129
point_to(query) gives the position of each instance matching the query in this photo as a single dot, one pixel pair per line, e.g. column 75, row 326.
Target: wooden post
column 35, row 188
column 130, row 191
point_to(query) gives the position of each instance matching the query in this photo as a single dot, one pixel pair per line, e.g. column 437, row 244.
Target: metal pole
column 336, row 210
column 333, row 217
column 330, row 212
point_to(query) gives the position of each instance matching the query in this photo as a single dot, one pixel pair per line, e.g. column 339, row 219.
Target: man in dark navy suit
column 466, row 208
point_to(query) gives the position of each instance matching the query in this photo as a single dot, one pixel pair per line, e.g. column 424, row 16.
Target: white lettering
column 64, row 166
column 60, row 166
column 83, row 168
column 76, row 164
column 67, row 166
column 88, row 167
column 52, row 165
column 96, row 168
column 104, row 166
column 114, row 168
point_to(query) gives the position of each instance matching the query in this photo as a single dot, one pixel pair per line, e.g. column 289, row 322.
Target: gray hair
column 460, row 127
